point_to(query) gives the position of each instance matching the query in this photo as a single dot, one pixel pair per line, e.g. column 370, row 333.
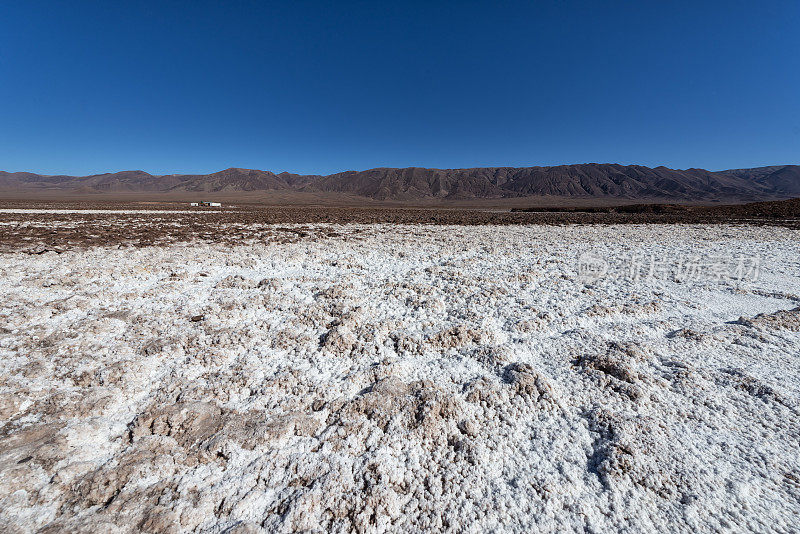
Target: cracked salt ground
column 415, row 378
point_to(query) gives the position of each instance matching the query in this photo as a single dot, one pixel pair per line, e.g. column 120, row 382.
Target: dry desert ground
column 402, row 378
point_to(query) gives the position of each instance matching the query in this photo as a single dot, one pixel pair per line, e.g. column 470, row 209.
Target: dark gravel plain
column 41, row 232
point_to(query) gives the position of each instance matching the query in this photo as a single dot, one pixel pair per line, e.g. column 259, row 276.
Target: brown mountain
column 584, row 181
column 783, row 179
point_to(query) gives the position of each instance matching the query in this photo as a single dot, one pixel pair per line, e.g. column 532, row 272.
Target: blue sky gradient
column 321, row 87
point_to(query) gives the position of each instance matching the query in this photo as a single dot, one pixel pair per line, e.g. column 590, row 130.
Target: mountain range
column 420, row 185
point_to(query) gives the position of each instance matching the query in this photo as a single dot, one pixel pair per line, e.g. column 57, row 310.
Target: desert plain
column 170, row 370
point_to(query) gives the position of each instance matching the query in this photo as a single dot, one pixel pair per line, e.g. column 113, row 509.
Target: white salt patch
column 414, row 378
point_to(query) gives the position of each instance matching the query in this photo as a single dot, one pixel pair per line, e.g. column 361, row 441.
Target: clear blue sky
column 320, row 87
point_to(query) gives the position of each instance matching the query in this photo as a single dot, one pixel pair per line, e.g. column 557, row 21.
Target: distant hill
column 584, row 181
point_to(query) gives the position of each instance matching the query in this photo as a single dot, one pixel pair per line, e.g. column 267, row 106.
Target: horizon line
column 388, row 167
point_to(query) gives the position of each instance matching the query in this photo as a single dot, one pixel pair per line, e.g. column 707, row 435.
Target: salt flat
column 406, row 378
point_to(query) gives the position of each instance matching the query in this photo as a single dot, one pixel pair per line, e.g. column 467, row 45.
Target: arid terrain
column 60, row 225
column 399, row 267
column 265, row 369
column 586, row 184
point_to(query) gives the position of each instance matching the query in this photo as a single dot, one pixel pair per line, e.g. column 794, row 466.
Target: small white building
column 194, row 204
column 207, row 204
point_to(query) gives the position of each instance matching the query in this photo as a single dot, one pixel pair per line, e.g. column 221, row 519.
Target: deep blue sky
column 319, row 87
